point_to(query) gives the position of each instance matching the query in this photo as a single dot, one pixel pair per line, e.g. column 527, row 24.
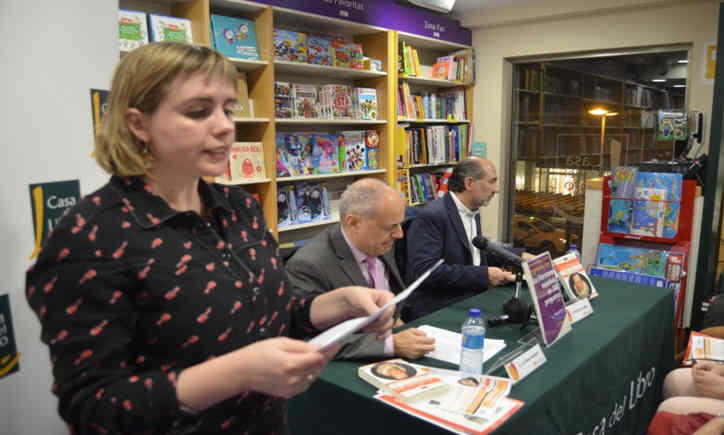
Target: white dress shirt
column 471, row 230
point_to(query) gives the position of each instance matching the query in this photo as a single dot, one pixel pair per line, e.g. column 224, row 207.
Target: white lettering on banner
column 637, row 390
column 434, row 26
column 54, row 202
column 351, row 4
column 53, row 222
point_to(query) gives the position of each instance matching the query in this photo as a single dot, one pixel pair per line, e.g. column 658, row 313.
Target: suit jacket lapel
column 457, row 223
column 396, row 283
column 347, row 262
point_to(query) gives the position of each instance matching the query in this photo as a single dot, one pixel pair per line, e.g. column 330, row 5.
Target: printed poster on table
column 48, row 202
column 545, row 290
column 9, row 356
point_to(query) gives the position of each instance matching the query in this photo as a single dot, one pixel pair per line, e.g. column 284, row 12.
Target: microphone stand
column 516, row 309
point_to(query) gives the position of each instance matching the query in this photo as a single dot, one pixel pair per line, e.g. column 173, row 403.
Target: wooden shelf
column 297, row 121
column 237, row 6
column 244, row 182
column 293, row 19
column 424, row 81
column 326, row 176
column 432, row 121
column 308, row 225
column 429, row 43
column 431, row 165
column 284, row 66
column 248, row 64
column 253, row 120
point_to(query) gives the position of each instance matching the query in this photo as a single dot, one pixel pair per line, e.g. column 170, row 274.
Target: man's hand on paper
column 413, row 343
column 498, row 277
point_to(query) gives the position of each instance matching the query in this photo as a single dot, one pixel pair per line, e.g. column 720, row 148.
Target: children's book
column 132, row 29
column 619, row 215
column 372, row 145
column 246, row 161
column 326, row 153
column 632, row 259
column 673, row 126
column 306, row 144
column 312, row 203
column 165, row 28
column 663, row 189
column 234, row 37
column 647, row 216
column 283, row 100
column 623, row 182
column 637, row 278
column 305, row 100
column 286, row 205
column 408, row 382
column 574, row 280
column 290, row 45
column 366, row 102
column 289, row 155
column 335, row 101
column 352, row 151
column 347, row 54
column 548, row 301
column 319, row 50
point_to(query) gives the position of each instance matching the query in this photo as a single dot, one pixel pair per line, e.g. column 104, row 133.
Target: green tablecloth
column 605, row 376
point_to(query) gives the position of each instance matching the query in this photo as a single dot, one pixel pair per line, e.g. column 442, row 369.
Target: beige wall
column 498, row 37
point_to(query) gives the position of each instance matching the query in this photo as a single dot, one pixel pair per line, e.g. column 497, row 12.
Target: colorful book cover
column 165, row 28
column 366, row 102
column 290, row 45
column 647, row 215
column 305, row 100
column 326, row 153
column 286, row 206
column 547, row 298
column 352, row 151
column 306, row 143
column 283, row 100
column 407, row 381
column 372, row 144
column 673, row 126
column 336, row 101
column 574, row 280
column 246, row 161
column 132, row 29
column 289, row 155
column 622, row 182
column 619, row 215
column 312, row 203
column 347, row 54
column 650, row 185
column 319, row 50
column 632, row 259
column 234, row 37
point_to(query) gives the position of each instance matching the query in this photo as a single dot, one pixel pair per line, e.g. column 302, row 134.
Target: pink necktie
column 371, row 269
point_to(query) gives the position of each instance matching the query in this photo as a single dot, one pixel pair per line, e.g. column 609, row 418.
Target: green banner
column 9, row 356
column 48, row 202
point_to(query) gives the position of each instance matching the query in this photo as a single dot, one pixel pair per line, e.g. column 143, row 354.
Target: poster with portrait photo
column 407, row 381
column 573, row 278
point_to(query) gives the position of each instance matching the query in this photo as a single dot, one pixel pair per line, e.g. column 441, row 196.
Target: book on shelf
column 286, row 206
column 372, row 146
column 246, row 162
column 366, row 100
column 624, row 275
column 164, row 28
column 346, row 54
column 319, row 50
column 352, row 151
column 632, row 259
column 243, row 107
column 312, row 203
column 408, row 382
column 132, row 29
column 548, row 301
column 304, row 98
column 326, row 153
column 335, row 101
column 234, row 37
column 283, row 107
column 573, row 278
column 290, row 45
column 289, row 155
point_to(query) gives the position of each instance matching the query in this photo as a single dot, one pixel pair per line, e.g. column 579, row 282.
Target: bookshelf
column 414, row 128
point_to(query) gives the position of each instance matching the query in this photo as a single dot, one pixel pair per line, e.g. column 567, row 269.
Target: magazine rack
column 679, row 243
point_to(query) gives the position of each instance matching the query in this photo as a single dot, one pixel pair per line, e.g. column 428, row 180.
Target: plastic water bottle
column 573, row 249
column 471, row 351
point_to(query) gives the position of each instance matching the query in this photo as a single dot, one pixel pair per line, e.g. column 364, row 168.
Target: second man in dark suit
column 358, row 251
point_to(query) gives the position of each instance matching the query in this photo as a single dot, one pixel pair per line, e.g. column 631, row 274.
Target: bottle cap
column 474, row 312
column 572, row 246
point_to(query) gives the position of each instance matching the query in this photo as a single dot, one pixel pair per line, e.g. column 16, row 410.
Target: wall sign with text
column 48, row 202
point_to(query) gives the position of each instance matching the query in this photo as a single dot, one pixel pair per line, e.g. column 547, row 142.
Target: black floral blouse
column 130, row 292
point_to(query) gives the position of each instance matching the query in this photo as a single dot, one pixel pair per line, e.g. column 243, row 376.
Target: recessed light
column 683, row 61
column 679, row 86
column 658, row 80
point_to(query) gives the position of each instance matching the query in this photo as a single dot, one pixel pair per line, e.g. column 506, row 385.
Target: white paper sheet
column 343, row 330
column 447, row 345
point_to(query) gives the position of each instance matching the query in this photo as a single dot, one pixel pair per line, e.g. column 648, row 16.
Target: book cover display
column 286, row 206
column 407, row 381
column 335, row 101
column 234, row 37
column 366, row 99
column 372, row 143
column 283, row 107
column 548, row 301
column 289, row 155
column 573, row 278
column 132, row 29
column 290, row 45
column 352, row 151
column 672, row 126
column 165, row 28
column 246, row 161
column 312, row 202
column 305, row 100
column 326, row 153
column 319, row 50
column 347, row 54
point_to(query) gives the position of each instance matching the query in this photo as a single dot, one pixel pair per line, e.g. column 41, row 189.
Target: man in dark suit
column 358, row 251
column 445, row 229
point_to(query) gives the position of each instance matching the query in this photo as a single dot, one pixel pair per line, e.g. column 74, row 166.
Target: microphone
column 497, row 320
column 484, row 244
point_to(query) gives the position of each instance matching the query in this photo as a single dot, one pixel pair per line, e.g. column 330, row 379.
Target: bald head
column 371, row 213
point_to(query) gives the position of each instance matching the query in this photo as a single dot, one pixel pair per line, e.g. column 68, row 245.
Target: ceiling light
column 683, row 61
column 658, row 80
column 679, row 86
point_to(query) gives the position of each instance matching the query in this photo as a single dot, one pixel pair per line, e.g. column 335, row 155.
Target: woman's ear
column 137, row 122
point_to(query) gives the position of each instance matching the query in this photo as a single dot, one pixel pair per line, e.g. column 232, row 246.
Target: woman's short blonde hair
column 141, row 81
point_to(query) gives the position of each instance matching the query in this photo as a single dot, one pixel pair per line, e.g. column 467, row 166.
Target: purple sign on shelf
column 383, row 13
